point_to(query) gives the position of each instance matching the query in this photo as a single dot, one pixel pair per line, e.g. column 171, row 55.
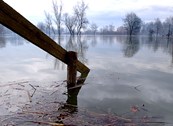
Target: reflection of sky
column 113, row 77
column 26, row 62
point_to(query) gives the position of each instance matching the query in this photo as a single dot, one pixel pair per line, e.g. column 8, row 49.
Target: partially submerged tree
column 94, row 28
column 41, row 26
column 158, row 26
column 48, row 22
column 80, row 14
column 70, row 22
column 132, row 23
column 168, row 26
column 150, row 28
column 75, row 23
column 111, row 29
column 57, row 9
column 108, row 30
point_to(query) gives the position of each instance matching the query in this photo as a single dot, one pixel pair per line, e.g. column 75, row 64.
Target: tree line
column 133, row 25
column 77, row 23
column 158, row 28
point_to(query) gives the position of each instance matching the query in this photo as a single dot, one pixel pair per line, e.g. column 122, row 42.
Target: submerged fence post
column 71, row 68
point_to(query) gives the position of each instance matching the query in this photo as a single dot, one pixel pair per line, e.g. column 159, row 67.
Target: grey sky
column 102, row 12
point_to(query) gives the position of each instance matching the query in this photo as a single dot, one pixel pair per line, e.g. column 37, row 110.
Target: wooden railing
column 20, row 25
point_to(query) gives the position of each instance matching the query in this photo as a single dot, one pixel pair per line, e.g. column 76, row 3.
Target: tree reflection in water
column 72, row 99
column 160, row 43
column 57, row 63
column 155, row 42
column 13, row 39
column 79, row 45
column 131, row 46
column 110, row 39
column 74, row 43
column 93, row 41
column 2, row 42
column 170, row 49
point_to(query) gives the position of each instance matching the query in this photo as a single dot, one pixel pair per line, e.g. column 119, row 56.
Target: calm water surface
column 123, row 73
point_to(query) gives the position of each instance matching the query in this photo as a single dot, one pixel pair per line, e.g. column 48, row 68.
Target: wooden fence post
column 71, row 69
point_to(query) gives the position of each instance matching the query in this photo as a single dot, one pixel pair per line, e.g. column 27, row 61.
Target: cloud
column 148, row 13
column 152, row 12
column 106, row 18
column 101, row 12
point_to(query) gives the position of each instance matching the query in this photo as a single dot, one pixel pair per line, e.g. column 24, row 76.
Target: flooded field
column 130, row 79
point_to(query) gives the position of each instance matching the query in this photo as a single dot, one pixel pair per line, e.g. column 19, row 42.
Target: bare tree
column 70, row 23
column 48, row 22
column 121, row 30
column 168, row 26
column 94, row 28
column 132, row 23
column 158, row 26
column 58, row 15
column 80, row 13
column 150, row 29
column 105, row 30
column 41, row 26
column 108, row 30
column 111, row 28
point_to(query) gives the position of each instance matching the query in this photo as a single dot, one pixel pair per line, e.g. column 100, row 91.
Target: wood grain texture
column 71, row 69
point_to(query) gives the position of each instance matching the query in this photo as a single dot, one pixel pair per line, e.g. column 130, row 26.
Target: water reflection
column 13, row 39
column 79, row 45
column 72, row 43
column 156, row 44
column 2, row 42
column 170, row 49
column 72, row 99
column 131, row 45
column 58, row 65
column 113, row 77
column 16, row 40
column 94, row 41
column 108, row 39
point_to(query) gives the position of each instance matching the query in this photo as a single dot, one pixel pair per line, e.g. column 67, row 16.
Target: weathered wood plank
column 17, row 23
column 71, row 69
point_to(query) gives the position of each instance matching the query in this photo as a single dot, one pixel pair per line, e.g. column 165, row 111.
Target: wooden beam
column 71, row 69
column 20, row 25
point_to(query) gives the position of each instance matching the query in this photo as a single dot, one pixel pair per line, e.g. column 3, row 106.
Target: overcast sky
column 101, row 12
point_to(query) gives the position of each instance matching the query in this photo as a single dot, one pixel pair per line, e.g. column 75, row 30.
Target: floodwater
column 125, row 73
